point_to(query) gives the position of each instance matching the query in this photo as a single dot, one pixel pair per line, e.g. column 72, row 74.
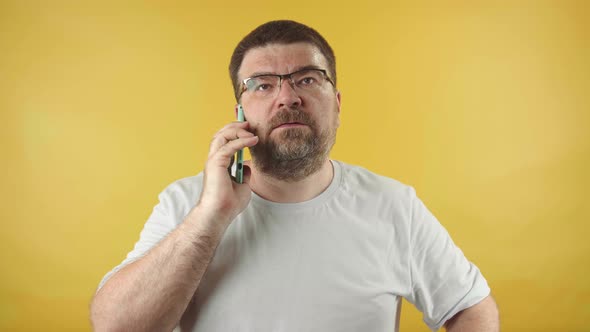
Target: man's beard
column 294, row 153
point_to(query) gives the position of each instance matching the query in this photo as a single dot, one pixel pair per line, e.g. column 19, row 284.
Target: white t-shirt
column 339, row 262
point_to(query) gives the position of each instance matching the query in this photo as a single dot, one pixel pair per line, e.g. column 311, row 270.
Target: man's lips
column 290, row 125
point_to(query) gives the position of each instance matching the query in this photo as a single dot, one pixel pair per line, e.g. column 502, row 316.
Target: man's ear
column 338, row 99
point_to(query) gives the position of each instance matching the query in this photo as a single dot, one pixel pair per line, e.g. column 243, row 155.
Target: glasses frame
column 282, row 77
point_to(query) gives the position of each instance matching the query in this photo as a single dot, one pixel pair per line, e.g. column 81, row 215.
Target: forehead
column 280, row 59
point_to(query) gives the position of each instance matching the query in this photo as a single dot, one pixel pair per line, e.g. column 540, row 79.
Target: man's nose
column 287, row 95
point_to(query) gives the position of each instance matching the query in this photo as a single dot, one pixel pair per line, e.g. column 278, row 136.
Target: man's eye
column 263, row 87
column 307, row 80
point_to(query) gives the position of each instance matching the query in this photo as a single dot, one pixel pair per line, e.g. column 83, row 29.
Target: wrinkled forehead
column 280, row 59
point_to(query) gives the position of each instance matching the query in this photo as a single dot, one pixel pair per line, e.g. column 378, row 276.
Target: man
column 305, row 243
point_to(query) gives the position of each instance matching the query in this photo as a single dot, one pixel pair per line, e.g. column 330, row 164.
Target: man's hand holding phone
column 222, row 195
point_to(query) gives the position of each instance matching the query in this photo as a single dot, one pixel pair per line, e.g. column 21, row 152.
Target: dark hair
column 279, row 32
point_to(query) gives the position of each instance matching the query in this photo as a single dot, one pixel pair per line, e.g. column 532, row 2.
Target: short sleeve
column 443, row 281
column 174, row 204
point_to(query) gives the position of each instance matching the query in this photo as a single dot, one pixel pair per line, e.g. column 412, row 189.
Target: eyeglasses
column 267, row 86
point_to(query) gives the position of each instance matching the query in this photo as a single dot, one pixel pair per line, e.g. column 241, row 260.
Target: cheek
column 253, row 119
column 258, row 128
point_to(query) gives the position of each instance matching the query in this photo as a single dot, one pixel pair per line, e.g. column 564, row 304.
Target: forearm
column 482, row 317
column 152, row 293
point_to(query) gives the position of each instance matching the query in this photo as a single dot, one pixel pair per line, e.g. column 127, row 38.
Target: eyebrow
column 261, row 73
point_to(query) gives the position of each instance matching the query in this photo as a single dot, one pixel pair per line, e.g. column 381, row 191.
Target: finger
column 230, row 134
column 227, row 137
column 223, row 155
column 232, row 127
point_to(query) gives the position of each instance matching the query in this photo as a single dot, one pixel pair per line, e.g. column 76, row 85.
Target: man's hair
column 279, row 32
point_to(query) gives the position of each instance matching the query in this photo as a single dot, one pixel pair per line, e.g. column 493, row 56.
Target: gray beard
column 297, row 152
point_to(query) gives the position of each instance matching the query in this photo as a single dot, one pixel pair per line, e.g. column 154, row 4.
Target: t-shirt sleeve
column 166, row 216
column 443, row 281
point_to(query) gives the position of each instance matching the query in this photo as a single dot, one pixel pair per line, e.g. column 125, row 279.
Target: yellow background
column 484, row 107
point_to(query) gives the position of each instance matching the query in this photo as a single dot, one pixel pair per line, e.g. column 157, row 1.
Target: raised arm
column 152, row 293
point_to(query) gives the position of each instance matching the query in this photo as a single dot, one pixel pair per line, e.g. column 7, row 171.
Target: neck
column 280, row 191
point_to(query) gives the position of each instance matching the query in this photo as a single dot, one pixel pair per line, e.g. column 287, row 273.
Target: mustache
column 291, row 115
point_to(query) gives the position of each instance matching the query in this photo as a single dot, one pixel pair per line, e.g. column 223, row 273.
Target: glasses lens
column 308, row 79
column 262, row 86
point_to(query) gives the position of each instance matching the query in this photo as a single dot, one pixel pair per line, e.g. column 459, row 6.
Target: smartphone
column 240, row 156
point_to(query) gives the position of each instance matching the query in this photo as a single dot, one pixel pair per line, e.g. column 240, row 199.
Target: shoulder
column 373, row 193
column 182, row 193
column 359, row 179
